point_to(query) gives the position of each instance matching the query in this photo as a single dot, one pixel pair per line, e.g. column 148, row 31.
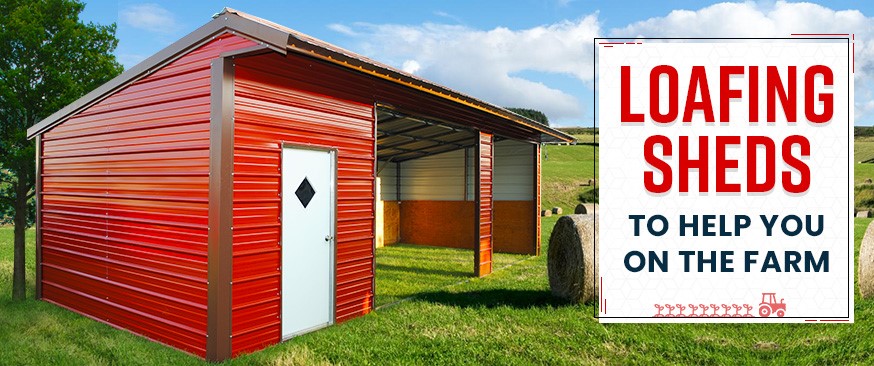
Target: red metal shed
column 220, row 196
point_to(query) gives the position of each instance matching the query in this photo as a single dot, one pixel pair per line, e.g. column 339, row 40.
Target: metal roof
column 400, row 137
column 282, row 39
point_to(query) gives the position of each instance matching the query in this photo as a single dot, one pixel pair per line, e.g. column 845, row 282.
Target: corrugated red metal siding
column 287, row 100
column 124, row 204
column 484, row 249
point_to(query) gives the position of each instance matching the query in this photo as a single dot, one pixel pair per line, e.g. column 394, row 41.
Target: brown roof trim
column 283, row 39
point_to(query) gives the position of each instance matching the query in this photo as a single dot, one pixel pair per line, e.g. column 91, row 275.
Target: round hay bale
column 556, row 210
column 866, row 263
column 545, row 213
column 571, row 259
column 586, row 209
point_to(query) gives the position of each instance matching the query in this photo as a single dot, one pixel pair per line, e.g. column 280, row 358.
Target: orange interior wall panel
column 483, row 250
column 514, row 227
column 391, row 212
column 124, row 199
column 439, row 223
column 291, row 99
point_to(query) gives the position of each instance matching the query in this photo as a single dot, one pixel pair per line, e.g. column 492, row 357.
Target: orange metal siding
column 483, row 259
column 124, row 204
column 284, row 100
column 449, row 224
column 514, row 227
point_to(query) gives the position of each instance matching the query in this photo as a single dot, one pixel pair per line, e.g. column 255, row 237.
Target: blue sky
column 532, row 53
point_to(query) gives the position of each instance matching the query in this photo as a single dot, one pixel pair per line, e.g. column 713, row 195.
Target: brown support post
column 483, row 247
column 38, row 223
column 537, row 224
column 221, row 193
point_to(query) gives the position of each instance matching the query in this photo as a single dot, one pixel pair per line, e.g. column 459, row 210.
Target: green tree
column 532, row 114
column 48, row 59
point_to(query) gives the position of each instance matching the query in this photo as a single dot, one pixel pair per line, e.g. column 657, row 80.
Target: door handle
column 329, row 237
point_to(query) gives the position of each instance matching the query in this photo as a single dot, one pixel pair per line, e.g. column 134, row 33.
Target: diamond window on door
column 305, row 192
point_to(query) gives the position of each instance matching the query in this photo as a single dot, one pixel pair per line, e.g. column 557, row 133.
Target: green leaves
column 532, row 114
column 48, row 59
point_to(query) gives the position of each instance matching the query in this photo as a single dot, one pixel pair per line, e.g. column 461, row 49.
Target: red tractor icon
column 770, row 306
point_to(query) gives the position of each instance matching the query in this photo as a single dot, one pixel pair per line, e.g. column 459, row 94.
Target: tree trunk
column 19, row 285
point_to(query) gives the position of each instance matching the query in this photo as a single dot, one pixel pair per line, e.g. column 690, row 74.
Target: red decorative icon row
column 768, row 306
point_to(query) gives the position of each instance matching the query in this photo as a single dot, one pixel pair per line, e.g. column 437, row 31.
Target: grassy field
column 433, row 267
column 588, row 138
column 863, row 169
column 565, row 169
column 863, row 151
column 506, row 318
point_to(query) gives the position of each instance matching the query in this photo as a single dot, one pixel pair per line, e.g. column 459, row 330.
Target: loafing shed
column 228, row 192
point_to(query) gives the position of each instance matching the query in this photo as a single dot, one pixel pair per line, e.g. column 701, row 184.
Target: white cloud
column 778, row 20
column 411, row 66
column 149, row 17
column 484, row 62
column 446, row 15
column 342, row 29
column 488, row 63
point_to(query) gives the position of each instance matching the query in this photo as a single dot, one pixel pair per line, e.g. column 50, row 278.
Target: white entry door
column 308, row 184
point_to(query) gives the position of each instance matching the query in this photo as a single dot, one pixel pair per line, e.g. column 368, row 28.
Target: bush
column 863, row 131
column 578, row 130
column 591, row 196
column 864, row 196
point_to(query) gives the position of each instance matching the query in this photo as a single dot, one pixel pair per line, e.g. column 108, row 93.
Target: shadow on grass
column 519, row 299
column 420, row 270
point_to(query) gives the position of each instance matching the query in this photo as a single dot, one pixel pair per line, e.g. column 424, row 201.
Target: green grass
column 36, row 332
column 563, row 172
column 433, row 267
column 506, row 318
column 862, row 171
column 510, row 318
column 587, row 138
column 863, row 156
column 863, row 151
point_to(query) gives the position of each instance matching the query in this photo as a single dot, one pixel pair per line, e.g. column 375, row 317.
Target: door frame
column 332, row 301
